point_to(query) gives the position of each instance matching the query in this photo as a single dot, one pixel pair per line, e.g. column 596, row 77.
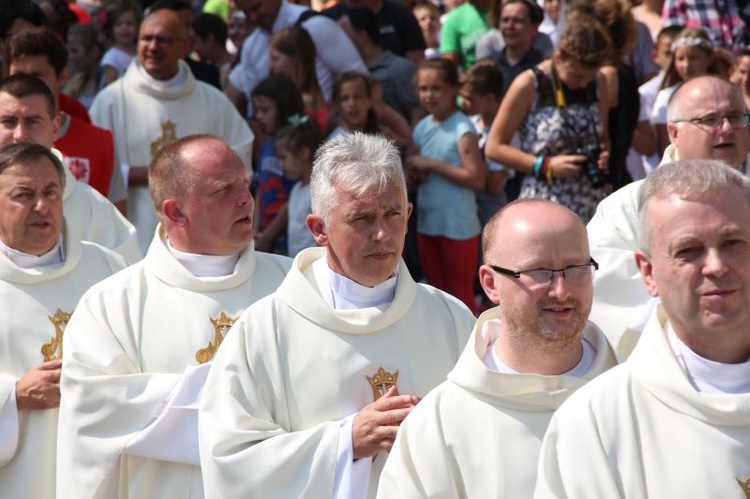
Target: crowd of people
column 374, row 248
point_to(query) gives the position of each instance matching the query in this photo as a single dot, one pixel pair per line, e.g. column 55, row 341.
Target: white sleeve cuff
column 173, row 433
column 8, row 429
column 352, row 477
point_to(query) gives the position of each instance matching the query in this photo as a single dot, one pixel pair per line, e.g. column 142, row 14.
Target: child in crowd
column 85, row 53
column 359, row 107
column 296, row 144
column 275, row 99
column 450, row 168
column 741, row 75
column 481, row 93
column 428, row 17
column 692, row 55
column 293, row 54
column 119, row 21
column 210, row 43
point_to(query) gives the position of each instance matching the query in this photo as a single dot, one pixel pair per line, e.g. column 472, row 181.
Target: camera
column 597, row 177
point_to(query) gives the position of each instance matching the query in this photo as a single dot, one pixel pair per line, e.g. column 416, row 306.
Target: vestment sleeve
column 8, row 419
column 247, row 446
column 105, row 398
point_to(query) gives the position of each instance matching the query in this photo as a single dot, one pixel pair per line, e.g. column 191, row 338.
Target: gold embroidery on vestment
column 53, row 349
column 745, row 484
column 168, row 135
column 382, row 382
column 221, row 324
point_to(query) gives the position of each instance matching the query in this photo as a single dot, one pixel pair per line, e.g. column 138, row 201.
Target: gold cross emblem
column 53, row 349
column 382, row 382
column 221, row 325
column 168, row 135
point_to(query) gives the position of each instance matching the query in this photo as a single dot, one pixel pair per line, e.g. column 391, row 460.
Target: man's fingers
column 387, row 403
column 51, row 365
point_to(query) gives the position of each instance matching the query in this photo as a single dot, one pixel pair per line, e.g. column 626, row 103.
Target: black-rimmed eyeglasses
column 573, row 274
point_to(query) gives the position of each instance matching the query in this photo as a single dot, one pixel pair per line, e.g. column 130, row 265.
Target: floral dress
column 549, row 130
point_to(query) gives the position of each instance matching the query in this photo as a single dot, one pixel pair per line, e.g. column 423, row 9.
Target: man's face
column 26, row 120
column 39, row 66
column 516, row 26
column 703, row 99
column 219, row 209
column 538, row 236
column 699, row 262
column 260, row 12
column 162, row 43
column 31, row 206
column 365, row 234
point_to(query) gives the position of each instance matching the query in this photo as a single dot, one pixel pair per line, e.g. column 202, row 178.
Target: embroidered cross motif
column 52, row 350
column 745, row 484
column 168, row 135
column 221, row 324
column 382, row 382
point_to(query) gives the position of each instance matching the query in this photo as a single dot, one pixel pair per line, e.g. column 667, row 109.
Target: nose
column 20, row 134
column 41, row 205
column 726, row 126
column 380, row 230
column 558, row 287
column 714, row 264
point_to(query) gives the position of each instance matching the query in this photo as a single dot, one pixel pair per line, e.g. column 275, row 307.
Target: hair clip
column 297, row 120
column 692, row 41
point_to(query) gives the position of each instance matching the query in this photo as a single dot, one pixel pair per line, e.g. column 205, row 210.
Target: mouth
column 244, row 220
column 559, row 311
column 381, row 255
column 718, row 294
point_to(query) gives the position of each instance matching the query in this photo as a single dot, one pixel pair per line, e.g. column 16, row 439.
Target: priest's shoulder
column 94, row 253
column 454, row 305
column 274, row 263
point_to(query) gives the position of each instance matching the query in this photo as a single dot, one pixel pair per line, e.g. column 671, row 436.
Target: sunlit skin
column 699, row 266
column 516, row 26
column 429, row 23
column 365, row 234
column 353, row 104
column 691, row 61
column 266, row 113
column 741, row 76
column 26, row 120
column 31, row 206
column 125, row 32
column 161, row 60
column 437, row 96
column 574, row 76
column 663, row 52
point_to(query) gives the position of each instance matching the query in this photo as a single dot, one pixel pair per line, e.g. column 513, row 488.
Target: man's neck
column 535, row 356
column 726, row 347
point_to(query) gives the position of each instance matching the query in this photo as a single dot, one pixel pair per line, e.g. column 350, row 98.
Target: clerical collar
column 205, row 265
column 341, row 293
column 706, row 375
column 176, row 81
column 495, row 363
column 26, row 261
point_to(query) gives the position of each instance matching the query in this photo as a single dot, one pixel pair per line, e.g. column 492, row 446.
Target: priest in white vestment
column 157, row 101
column 305, row 398
column 706, row 120
column 140, row 344
column 26, row 100
column 43, row 273
column 525, row 358
column 674, row 419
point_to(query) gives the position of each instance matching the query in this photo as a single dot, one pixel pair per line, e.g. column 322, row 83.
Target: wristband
column 537, row 169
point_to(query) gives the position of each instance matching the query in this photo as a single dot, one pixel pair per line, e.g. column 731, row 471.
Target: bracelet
column 547, row 169
column 538, row 168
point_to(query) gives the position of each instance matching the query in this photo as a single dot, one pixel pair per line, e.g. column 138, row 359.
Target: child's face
column 125, row 29
column 266, row 113
column 741, row 74
column 281, row 63
column 293, row 164
column 552, row 9
column 354, row 104
column 690, row 61
column 663, row 52
column 429, row 22
column 83, row 59
column 437, row 97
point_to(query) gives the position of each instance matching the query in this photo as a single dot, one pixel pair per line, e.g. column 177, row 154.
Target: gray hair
column 686, row 178
column 20, row 152
column 358, row 163
column 674, row 106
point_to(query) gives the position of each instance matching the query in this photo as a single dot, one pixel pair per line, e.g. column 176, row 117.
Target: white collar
column 26, row 260
column 205, row 265
column 341, row 293
column 177, row 81
column 708, row 376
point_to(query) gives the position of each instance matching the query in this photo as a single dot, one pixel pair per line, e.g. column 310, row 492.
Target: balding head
column 162, row 42
column 701, row 98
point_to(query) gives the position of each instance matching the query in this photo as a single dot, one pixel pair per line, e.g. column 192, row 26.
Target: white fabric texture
column 293, row 368
column 144, row 116
column 129, row 344
column 479, row 433
column 30, row 298
column 642, row 431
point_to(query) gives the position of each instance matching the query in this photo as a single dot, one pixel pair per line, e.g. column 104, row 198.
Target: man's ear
column 318, row 229
column 63, row 77
column 487, row 280
column 646, row 268
column 171, row 210
column 673, row 132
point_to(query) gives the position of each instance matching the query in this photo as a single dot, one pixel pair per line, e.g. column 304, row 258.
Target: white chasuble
column 478, row 434
column 292, row 368
column 37, row 303
column 131, row 340
column 144, row 116
column 642, row 431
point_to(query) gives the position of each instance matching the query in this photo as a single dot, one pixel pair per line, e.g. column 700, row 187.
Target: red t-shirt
column 89, row 152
